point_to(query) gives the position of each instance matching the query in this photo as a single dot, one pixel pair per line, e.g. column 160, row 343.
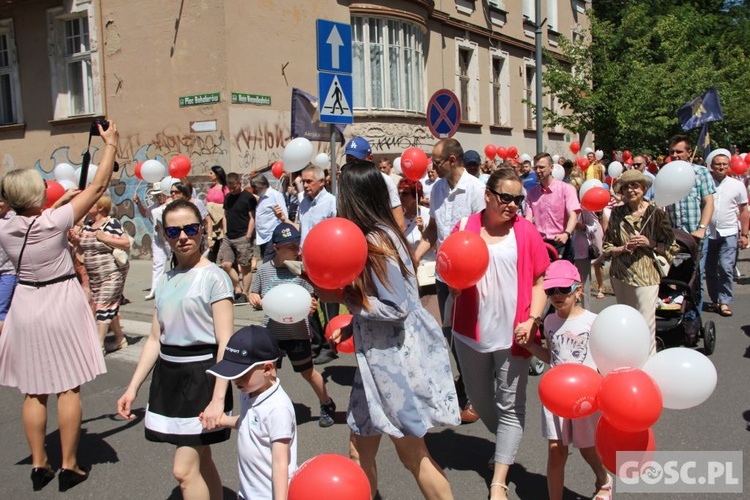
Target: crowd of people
column 238, row 243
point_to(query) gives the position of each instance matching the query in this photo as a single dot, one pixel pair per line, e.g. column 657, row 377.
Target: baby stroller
column 678, row 294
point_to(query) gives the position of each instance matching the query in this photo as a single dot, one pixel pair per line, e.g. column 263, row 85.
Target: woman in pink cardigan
column 493, row 319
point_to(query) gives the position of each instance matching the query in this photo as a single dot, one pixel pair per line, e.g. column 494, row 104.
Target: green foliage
column 642, row 60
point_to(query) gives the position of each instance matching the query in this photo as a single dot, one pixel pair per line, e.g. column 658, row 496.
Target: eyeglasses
column 562, row 290
column 638, row 164
column 173, row 232
column 506, row 198
column 174, row 191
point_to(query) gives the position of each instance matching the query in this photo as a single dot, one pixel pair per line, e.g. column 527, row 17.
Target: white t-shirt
column 264, row 419
column 392, row 191
column 729, row 195
column 183, row 304
column 265, row 218
column 414, row 236
column 497, row 298
column 569, row 338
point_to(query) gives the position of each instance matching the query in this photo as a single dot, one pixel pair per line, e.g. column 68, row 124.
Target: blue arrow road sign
column 335, row 98
column 334, row 46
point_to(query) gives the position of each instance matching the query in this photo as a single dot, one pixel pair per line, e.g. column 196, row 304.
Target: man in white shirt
column 269, row 213
column 729, row 217
column 455, row 195
column 160, row 249
column 427, row 182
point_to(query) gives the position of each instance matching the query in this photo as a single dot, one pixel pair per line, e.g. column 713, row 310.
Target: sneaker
column 150, row 296
column 325, row 356
column 327, row 412
column 240, row 299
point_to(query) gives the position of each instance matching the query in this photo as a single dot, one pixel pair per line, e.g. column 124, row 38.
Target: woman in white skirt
column 56, row 349
column 192, row 324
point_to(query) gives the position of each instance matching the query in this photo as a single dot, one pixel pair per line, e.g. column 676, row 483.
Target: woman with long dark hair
column 192, row 324
column 401, row 350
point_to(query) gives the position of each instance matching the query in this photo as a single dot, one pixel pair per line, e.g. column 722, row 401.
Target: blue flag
column 704, row 141
column 704, row 109
column 305, row 122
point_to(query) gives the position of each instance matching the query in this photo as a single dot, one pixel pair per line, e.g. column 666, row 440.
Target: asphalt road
column 126, row 466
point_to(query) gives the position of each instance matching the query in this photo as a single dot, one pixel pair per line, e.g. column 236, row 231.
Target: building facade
column 167, row 71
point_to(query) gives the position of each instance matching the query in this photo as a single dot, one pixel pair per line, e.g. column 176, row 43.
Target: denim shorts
column 7, row 286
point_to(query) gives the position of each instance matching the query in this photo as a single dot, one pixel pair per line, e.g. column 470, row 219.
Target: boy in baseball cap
column 266, row 424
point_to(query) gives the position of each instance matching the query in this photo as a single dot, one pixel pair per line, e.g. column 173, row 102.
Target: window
column 555, row 107
column 467, row 80
column 75, row 81
column 529, row 10
column 388, row 65
column 530, row 93
column 499, row 85
column 10, row 88
column 552, row 15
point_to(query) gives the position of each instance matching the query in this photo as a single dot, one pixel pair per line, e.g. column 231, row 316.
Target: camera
column 98, row 121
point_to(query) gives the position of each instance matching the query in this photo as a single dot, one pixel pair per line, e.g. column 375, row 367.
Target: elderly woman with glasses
column 636, row 234
column 494, row 319
column 192, row 324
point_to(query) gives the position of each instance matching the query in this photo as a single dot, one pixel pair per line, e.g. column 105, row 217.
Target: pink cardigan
column 533, row 261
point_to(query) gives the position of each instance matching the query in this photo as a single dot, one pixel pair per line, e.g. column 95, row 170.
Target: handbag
column 662, row 265
column 121, row 256
column 426, row 274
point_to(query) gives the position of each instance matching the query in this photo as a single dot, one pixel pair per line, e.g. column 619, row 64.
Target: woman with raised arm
column 55, row 349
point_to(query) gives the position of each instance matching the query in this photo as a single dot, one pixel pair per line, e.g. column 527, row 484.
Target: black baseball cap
column 249, row 347
column 285, row 233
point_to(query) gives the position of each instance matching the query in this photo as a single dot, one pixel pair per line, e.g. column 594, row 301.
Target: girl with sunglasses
column 567, row 334
column 192, row 324
column 494, row 318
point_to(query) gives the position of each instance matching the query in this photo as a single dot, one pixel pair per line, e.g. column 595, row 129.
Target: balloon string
column 138, row 186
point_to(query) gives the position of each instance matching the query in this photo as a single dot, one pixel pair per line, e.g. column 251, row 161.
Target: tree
column 642, row 60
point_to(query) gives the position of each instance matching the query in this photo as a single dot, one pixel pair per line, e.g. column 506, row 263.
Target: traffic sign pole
column 334, row 187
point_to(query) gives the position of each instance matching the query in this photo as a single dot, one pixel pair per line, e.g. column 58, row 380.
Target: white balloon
column 166, row 183
column 525, row 157
column 555, row 158
column 591, row 183
column 620, row 337
column 686, row 377
column 599, row 154
column 91, row 174
column 64, row 172
column 743, row 155
column 673, row 182
column 153, row 171
column 587, row 151
column 558, row 172
column 615, row 169
column 287, row 303
column 77, row 176
column 67, row 184
column 297, row 154
column 397, row 166
column 321, row 160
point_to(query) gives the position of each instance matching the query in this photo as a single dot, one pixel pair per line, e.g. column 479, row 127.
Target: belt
column 40, row 284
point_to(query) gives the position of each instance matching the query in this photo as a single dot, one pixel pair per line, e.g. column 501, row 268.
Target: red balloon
column 512, row 152
column 414, row 163
column 627, row 155
column 747, row 159
column 653, row 168
column 329, row 476
column 583, row 163
column 608, row 181
column 609, row 440
column 738, row 165
column 462, row 259
column 629, row 161
column 54, row 193
column 138, row 170
column 595, row 199
column 667, row 159
column 575, row 147
column 502, row 152
column 569, row 390
column 335, row 253
column 336, row 323
column 179, row 167
column 630, row 399
column 277, row 169
column 490, row 151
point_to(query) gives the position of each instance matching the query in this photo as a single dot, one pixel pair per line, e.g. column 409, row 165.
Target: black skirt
column 180, row 390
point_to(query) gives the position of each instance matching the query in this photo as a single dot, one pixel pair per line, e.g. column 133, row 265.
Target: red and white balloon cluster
column 630, row 389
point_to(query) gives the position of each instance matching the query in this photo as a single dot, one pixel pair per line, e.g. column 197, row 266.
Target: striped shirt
column 269, row 276
column 638, row 268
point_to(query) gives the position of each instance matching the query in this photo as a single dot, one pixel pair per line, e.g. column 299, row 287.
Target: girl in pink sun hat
column 567, row 333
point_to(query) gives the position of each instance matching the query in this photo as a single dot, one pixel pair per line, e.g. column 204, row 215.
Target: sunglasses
column 173, row 232
column 406, row 193
column 506, row 198
column 562, row 290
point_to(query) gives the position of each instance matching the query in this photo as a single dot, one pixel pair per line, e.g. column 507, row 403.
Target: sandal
column 604, row 492
column 600, row 295
column 712, row 307
column 724, row 310
column 112, row 347
column 502, row 486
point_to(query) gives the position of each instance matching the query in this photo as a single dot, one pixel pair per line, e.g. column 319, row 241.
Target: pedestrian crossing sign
column 335, row 98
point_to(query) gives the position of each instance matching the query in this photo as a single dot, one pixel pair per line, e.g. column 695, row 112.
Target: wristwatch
column 702, row 226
